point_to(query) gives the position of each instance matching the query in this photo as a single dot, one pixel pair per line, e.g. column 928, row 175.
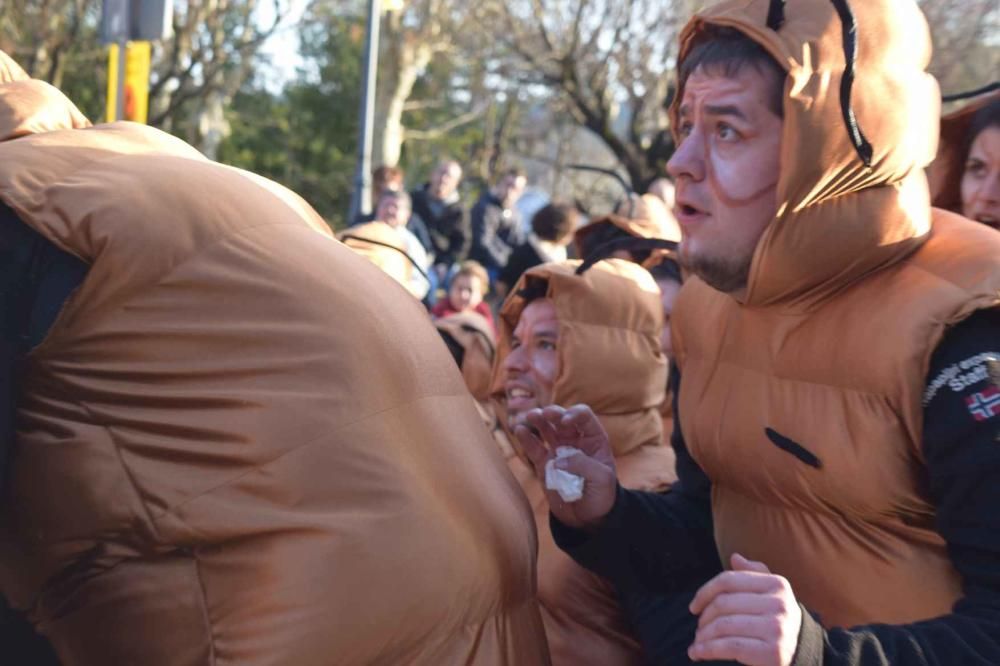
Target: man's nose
column 688, row 159
column 515, row 359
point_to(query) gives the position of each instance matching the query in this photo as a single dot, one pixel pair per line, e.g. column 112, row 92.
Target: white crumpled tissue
column 569, row 486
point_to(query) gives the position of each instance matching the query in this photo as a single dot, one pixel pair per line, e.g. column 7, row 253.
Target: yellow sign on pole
column 137, row 58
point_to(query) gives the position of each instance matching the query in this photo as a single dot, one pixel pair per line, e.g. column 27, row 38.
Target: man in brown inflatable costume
column 225, row 451
column 838, row 348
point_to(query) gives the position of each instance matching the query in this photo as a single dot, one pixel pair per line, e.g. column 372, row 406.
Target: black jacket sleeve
column 459, row 238
column 659, row 543
column 488, row 248
column 962, row 449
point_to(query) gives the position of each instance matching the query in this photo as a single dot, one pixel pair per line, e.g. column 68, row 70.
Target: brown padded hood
column 609, row 330
column 475, row 335
column 839, row 219
column 648, row 217
column 945, row 173
column 239, row 442
column 609, row 352
column 10, row 70
column 380, row 244
column 28, row 106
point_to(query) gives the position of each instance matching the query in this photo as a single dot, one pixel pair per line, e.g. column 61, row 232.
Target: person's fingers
column 761, row 627
column 553, row 413
column 537, row 419
column 730, row 582
column 584, row 466
column 583, row 420
column 740, row 563
column 748, row 651
column 532, row 447
column 739, row 604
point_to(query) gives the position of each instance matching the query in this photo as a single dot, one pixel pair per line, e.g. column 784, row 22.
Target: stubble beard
column 725, row 274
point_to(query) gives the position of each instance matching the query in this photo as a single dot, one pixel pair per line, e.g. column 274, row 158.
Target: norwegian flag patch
column 985, row 404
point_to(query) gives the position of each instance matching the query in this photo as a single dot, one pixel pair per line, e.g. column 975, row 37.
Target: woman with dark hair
column 965, row 177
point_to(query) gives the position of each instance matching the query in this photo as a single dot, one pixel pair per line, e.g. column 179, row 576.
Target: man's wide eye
column 726, row 132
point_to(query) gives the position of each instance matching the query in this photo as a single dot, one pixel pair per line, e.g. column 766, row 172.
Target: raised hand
column 579, row 428
column 748, row 615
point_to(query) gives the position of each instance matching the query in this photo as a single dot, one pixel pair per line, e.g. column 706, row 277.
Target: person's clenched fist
column 748, row 615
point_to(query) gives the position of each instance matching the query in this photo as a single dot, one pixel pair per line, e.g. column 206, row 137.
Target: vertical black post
column 361, row 196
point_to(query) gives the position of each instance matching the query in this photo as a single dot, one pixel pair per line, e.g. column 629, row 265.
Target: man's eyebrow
column 725, row 110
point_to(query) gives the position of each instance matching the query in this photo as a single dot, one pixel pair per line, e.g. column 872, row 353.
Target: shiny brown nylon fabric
column 846, row 382
column 391, row 260
column 610, row 359
column 476, row 337
column 832, row 343
column 649, row 218
column 945, row 172
column 240, row 443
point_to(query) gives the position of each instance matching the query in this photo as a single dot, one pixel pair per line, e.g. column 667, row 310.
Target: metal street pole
column 361, row 196
column 122, row 61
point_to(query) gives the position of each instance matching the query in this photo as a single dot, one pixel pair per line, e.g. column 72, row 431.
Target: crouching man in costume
column 839, row 360
column 226, row 451
column 591, row 337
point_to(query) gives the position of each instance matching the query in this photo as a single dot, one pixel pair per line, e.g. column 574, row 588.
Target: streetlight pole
column 361, row 196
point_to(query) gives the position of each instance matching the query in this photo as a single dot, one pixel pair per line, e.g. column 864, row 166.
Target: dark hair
column 727, row 51
column 385, row 174
column 605, row 232
column 984, row 118
column 667, row 269
column 534, row 288
column 555, row 221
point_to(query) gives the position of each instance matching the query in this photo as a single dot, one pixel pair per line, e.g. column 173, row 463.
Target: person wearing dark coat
column 438, row 218
column 496, row 224
column 551, row 230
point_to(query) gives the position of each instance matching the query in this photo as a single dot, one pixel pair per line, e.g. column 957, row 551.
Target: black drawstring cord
column 850, row 31
column 957, row 97
column 776, row 15
column 391, row 247
column 605, row 250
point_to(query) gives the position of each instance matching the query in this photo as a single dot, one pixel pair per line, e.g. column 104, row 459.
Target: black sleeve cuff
column 570, row 539
column 811, row 641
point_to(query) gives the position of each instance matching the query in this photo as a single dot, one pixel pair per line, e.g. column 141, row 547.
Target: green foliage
column 306, row 137
column 447, row 90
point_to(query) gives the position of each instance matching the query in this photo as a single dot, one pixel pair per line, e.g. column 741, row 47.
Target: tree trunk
column 400, row 64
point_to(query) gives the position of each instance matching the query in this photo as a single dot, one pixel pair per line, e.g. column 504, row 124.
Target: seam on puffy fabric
column 785, row 378
column 210, row 628
column 125, row 469
column 158, row 280
column 326, row 433
column 968, row 291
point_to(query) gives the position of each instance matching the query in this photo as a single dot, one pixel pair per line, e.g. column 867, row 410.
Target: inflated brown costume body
column 240, row 443
column 851, row 289
column 610, row 359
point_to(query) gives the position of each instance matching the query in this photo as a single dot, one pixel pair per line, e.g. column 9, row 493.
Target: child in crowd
column 466, row 291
